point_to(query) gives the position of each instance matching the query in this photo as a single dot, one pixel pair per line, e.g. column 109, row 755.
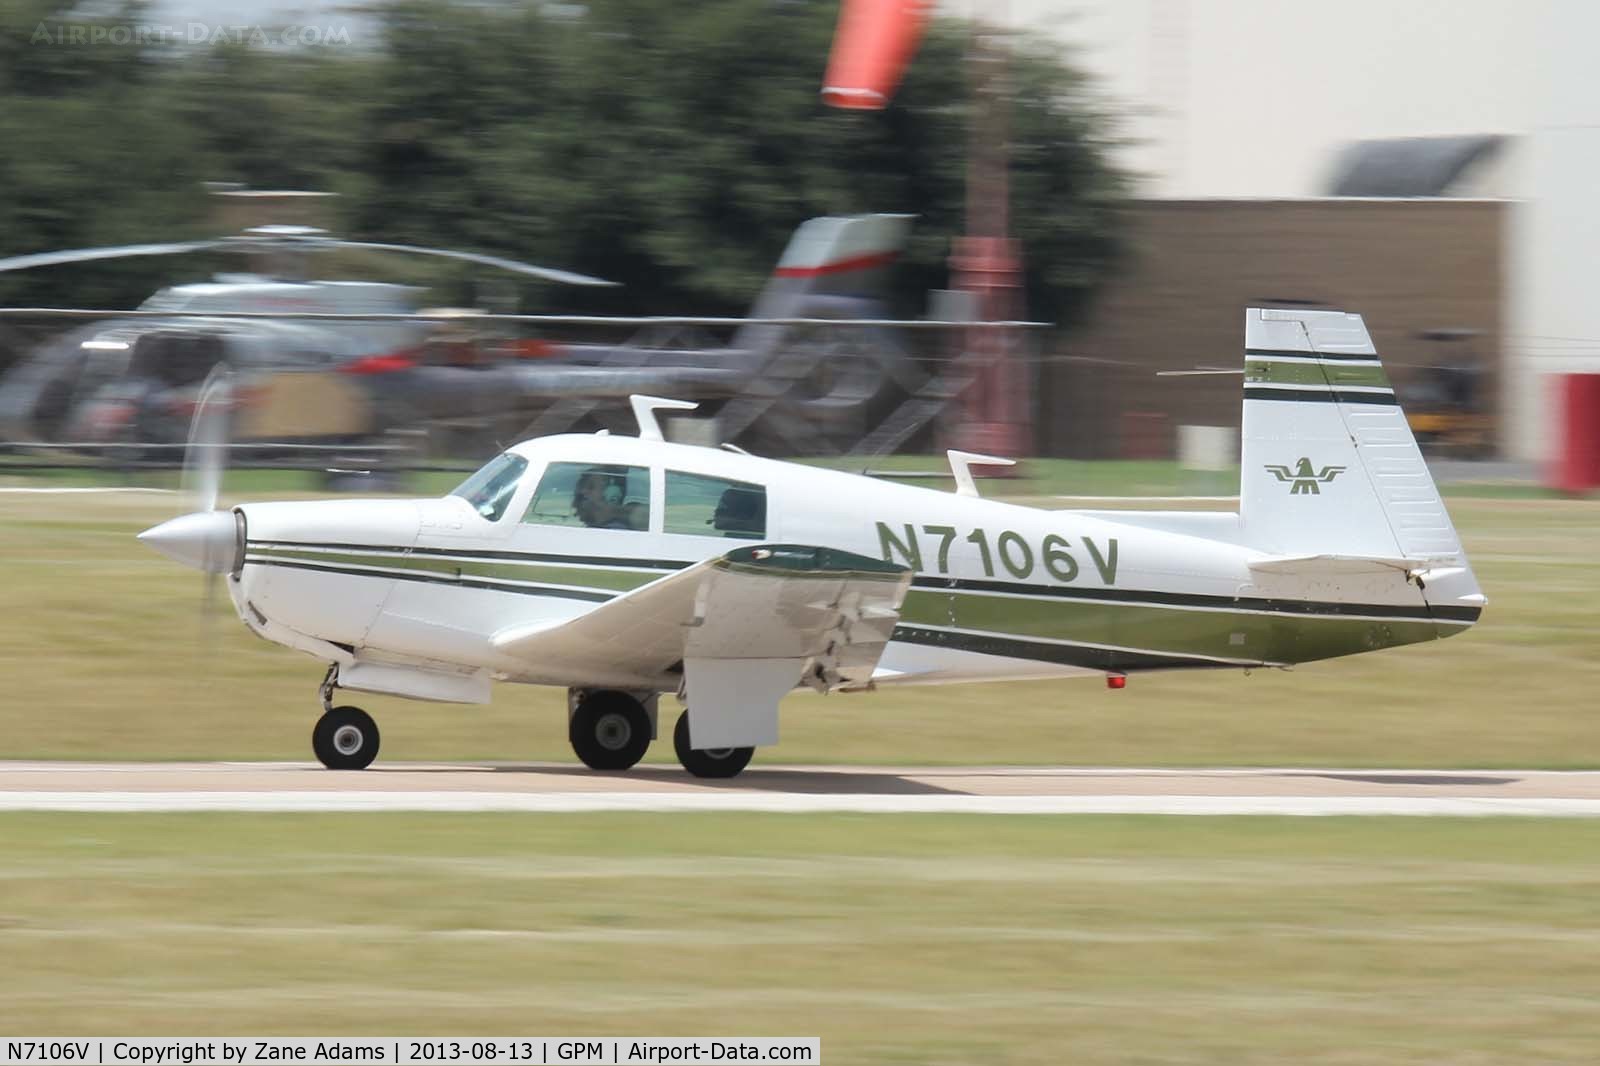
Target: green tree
column 675, row 147
column 92, row 154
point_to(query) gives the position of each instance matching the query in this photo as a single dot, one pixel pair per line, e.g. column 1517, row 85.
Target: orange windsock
column 871, row 47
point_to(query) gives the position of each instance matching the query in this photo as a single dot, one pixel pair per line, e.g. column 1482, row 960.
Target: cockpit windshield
column 491, row 488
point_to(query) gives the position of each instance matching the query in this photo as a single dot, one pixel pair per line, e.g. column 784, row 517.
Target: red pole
column 1576, row 468
column 997, row 411
column 871, row 48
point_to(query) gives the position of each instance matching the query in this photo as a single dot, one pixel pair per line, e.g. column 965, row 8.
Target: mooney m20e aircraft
column 624, row 568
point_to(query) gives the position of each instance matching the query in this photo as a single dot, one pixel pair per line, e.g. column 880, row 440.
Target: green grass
column 105, row 657
column 896, row 939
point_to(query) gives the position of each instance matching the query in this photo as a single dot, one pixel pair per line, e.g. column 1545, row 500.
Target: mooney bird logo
column 1303, row 478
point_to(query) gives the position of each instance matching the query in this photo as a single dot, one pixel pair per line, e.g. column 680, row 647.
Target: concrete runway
column 556, row 787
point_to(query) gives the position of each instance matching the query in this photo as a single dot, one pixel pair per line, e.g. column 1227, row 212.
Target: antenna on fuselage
column 645, row 408
column 961, row 469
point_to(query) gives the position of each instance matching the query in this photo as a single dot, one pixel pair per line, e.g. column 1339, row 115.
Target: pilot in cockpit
column 600, row 501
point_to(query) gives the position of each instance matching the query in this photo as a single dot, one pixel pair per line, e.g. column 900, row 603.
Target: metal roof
column 1408, row 166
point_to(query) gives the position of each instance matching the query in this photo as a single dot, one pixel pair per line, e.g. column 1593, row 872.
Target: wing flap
column 782, row 614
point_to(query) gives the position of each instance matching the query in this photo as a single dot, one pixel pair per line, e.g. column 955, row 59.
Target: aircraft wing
column 744, row 628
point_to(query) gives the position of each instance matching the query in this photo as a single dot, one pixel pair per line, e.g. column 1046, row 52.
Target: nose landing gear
column 345, row 738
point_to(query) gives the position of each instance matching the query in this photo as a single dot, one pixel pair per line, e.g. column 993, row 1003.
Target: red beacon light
column 1116, row 681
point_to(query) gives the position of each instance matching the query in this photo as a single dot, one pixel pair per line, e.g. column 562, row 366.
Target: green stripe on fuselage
column 574, row 576
column 1339, row 375
column 1258, row 637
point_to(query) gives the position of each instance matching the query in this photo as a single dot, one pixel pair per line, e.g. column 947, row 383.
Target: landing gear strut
column 707, row 762
column 345, row 738
column 609, row 730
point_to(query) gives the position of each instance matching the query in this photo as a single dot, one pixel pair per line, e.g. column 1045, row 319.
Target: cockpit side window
column 715, row 507
column 594, row 495
column 490, row 490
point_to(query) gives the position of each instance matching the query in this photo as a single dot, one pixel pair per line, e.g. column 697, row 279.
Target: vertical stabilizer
column 834, row 268
column 1328, row 463
column 845, row 257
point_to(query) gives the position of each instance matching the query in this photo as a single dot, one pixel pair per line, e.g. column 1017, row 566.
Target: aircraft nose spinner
column 205, row 540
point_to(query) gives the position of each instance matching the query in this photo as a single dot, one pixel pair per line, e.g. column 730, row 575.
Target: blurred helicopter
column 136, row 379
column 301, row 380
column 796, row 389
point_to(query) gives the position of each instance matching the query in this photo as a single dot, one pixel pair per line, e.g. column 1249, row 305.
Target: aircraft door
column 586, row 532
column 588, row 500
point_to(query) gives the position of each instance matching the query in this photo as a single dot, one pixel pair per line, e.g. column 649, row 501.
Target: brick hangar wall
column 1193, row 266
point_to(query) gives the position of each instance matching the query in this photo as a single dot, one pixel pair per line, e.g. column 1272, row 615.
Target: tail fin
column 842, row 256
column 834, row 267
column 1328, row 464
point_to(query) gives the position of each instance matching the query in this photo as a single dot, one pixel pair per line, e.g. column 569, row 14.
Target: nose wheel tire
column 707, row 762
column 609, row 731
column 346, row 738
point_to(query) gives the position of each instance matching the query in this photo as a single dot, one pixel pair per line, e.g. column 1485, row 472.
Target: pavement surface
column 554, row 787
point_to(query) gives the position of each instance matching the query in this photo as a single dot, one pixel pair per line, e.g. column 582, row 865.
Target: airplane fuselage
column 1000, row 590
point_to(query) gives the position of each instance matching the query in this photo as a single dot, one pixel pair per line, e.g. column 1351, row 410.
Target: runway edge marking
column 793, row 803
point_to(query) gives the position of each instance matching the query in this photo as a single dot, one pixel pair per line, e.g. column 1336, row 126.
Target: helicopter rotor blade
column 563, row 276
column 86, row 255
column 286, row 239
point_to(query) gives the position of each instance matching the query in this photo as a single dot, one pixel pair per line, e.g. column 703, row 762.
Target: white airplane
column 624, row 568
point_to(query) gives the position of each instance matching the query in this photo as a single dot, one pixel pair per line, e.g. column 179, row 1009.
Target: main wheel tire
column 346, row 738
column 609, row 731
column 707, row 762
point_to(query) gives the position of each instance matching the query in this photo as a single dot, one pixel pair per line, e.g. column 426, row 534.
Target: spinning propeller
column 205, row 538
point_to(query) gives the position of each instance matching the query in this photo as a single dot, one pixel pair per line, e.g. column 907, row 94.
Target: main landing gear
column 609, row 730
column 612, row 730
column 707, row 762
column 345, row 738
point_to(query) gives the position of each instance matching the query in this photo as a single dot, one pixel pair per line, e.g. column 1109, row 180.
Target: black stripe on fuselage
column 468, row 553
column 439, row 579
column 1377, row 399
column 1088, row 658
column 1134, row 596
column 1185, row 599
column 1331, row 357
